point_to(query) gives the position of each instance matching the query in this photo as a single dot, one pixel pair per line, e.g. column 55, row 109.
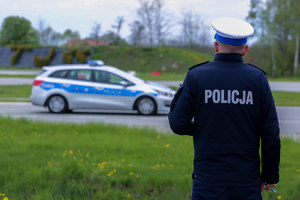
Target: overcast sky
column 80, row 15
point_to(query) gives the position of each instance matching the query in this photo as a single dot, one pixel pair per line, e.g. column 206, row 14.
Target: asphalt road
column 289, row 117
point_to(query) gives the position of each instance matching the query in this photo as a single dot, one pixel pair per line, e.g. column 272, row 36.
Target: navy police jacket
column 228, row 108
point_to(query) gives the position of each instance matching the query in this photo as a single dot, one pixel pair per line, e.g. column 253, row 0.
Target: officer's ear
column 245, row 50
column 216, row 47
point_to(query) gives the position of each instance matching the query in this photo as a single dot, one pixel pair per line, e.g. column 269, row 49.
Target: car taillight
column 37, row 82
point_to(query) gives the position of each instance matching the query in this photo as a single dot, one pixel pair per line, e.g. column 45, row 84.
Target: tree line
column 277, row 26
column 276, row 23
column 152, row 27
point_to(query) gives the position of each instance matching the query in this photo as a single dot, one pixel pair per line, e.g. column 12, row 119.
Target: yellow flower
column 5, row 198
column 168, row 145
column 70, row 152
column 114, row 170
column 129, row 165
column 158, row 137
column 131, row 173
column 297, row 170
column 128, row 195
column 279, row 197
column 123, row 160
column 87, row 155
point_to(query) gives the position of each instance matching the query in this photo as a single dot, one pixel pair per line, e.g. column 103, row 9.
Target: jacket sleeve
column 183, row 109
column 270, row 139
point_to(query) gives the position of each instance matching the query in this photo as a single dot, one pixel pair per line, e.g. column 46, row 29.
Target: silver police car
column 97, row 86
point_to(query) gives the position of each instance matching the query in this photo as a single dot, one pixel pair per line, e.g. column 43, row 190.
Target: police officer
column 228, row 108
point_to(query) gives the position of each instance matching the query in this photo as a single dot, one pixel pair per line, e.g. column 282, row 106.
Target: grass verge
column 15, row 91
column 17, row 76
column 45, row 161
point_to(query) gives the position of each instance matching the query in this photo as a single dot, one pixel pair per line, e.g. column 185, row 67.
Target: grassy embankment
column 44, row 161
column 172, row 62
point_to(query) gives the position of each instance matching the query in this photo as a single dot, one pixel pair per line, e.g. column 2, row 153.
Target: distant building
column 86, row 42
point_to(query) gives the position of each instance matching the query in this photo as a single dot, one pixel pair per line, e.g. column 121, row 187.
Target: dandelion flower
column 279, row 197
column 5, row 198
column 158, row 137
column 168, row 145
column 131, row 173
column 70, row 152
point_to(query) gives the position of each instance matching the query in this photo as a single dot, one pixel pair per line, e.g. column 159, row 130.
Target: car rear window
column 59, row 74
column 84, row 75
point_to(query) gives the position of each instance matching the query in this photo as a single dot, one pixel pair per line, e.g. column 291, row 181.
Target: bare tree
column 119, row 22
column 95, row 34
column 155, row 21
column 136, row 37
column 193, row 31
column 48, row 36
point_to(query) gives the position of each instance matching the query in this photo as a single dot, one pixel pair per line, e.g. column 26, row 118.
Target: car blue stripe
column 90, row 90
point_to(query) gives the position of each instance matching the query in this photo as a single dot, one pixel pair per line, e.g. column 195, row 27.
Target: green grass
column 20, row 68
column 148, row 59
column 45, row 161
column 163, row 77
column 17, row 76
column 15, row 91
column 286, row 98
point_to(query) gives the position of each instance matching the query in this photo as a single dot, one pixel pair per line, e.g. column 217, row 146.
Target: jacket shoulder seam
column 257, row 68
column 198, row 65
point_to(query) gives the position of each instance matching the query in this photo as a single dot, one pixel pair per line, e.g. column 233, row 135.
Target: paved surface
column 16, row 81
column 289, row 117
column 19, row 72
column 131, row 118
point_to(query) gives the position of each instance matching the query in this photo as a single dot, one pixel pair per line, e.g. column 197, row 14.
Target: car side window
column 59, row 74
column 84, row 75
column 110, row 78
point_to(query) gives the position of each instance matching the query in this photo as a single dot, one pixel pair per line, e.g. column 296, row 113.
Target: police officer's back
column 232, row 109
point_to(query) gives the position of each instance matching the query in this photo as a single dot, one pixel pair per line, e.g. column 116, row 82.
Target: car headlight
column 166, row 94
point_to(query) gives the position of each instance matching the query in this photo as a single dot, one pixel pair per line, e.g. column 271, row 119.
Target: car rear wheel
column 57, row 104
column 146, row 106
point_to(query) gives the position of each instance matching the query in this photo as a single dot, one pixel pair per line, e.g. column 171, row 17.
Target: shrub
column 43, row 61
column 81, row 55
column 68, row 56
column 18, row 52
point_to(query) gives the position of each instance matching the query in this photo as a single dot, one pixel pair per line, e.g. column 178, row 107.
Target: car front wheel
column 146, row 106
column 57, row 104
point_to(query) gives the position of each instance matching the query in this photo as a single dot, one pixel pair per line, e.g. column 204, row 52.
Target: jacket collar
column 229, row 57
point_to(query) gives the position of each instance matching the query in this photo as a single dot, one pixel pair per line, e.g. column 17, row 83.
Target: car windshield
column 131, row 77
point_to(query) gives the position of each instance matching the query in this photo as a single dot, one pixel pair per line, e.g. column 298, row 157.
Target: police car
column 97, row 86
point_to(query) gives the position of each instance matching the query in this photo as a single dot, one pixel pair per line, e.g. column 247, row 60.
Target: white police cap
column 232, row 30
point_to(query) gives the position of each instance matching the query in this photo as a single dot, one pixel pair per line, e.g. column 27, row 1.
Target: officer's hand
column 267, row 187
